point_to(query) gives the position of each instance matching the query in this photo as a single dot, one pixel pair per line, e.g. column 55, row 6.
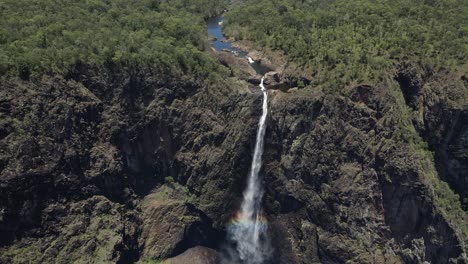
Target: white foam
column 250, row 233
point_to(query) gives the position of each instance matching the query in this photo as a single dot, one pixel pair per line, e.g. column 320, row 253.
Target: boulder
column 279, row 86
column 257, row 79
column 255, row 55
column 273, row 80
column 170, row 223
column 195, row 255
column 239, row 66
column 272, row 77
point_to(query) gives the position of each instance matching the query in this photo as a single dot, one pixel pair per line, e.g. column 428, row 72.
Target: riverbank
column 250, row 64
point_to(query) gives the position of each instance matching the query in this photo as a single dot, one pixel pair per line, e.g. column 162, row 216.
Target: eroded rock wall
column 111, row 165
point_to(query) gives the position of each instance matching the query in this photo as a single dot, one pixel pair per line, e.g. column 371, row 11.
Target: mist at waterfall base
column 247, row 237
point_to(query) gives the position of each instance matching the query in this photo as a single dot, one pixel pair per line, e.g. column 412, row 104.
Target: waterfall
column 248, row 230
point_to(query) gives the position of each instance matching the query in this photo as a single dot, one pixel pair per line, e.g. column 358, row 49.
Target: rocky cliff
column 112, row 165
column 107, row 165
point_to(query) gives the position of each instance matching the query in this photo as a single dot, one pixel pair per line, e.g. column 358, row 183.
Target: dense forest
column 343, row 41
column 53, row 36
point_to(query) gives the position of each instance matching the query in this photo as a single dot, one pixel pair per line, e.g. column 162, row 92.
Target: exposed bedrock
column 333, row 165
column 439, row 101
column 117, row 166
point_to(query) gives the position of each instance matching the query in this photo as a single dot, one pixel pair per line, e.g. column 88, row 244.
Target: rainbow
column 239, row 219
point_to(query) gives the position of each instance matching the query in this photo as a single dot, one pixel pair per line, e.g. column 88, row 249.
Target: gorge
column 125, row 138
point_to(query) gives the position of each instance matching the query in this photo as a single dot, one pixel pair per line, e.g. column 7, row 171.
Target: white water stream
column 249, row 228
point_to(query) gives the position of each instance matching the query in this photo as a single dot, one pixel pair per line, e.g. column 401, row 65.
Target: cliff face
column 109, row 164
column 441, row 116
column 352, row 186
column 114, row 165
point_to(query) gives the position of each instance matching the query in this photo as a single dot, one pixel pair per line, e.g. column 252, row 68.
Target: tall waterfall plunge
column 248, row 230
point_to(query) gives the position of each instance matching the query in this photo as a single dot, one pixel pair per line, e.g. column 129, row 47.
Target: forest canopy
column 50, row 36
column 344, row 40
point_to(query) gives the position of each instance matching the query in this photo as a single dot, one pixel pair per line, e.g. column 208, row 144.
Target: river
column 221, row 44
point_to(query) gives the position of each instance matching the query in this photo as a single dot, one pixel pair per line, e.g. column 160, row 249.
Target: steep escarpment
column 439, row 102
column 349, row 186
column 105, row 151
column 116, row 166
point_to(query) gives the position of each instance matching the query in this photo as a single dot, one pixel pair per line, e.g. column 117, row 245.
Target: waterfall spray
column 249, row 228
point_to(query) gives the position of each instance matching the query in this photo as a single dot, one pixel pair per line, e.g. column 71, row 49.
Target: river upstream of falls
column 247, row 232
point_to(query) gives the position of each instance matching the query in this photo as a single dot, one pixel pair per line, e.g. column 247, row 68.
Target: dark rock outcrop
column 368, row 195
column 274, row 81
column 238, row 66
column 118, row 134
column 195, row 255
column 439, row 101
column 112, row 165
